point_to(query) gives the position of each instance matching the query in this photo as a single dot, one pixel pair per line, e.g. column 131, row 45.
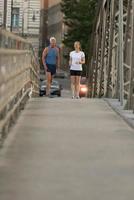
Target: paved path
column 64, row 149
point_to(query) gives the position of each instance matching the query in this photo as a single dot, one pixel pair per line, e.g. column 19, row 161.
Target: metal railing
column 112, row 62
column 19, row 78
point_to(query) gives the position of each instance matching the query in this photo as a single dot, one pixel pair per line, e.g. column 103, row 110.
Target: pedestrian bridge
column 59, row 148
column 63, row 148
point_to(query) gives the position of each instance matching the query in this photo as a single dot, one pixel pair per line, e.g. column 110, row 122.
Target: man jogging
column 51, row 61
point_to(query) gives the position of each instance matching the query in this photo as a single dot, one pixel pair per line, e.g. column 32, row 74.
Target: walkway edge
column 126, row 115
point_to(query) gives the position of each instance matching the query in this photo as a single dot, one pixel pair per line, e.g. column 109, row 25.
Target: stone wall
column 19, row 78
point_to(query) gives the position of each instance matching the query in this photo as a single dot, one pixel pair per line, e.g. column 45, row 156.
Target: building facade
column 1, row 13
column 43, row 23
column 22, row 18
column 55, row 20
column 57, row 28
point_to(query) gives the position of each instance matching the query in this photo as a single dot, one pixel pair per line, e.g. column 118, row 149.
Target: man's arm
column 70, row 61
column 44, row 54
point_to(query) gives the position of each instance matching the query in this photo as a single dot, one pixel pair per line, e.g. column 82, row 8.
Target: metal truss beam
column 112, row 62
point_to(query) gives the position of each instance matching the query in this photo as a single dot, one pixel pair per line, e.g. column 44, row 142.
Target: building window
column 16, row 12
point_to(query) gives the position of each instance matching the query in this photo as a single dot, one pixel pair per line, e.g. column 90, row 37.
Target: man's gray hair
column 52, row 38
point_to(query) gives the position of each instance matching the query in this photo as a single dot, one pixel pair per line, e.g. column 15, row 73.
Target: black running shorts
column 75, row 72
column 51, row 69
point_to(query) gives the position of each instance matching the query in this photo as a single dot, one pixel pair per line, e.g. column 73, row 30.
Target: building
column 31, row 21
column 43, row 36
column 23, row 18
column 44, row 24
column 56, row 27
column 51, row 21
column 1, row 13
column 55, row 20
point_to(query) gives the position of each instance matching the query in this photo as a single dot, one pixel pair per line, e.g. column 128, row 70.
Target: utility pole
column 5, row 14
column 120, row 43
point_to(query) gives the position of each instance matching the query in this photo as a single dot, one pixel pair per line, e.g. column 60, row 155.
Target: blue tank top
column 51, row 57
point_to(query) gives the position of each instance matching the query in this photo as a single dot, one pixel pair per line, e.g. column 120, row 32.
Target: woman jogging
column 77, row 58
column 51, row 60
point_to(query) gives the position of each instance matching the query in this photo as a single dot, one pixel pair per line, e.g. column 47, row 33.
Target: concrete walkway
column 65, row 149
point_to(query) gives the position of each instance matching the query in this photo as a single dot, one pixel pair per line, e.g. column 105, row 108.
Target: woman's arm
column 82, row 61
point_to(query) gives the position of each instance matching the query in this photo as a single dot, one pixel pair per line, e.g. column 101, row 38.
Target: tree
column 78, row 17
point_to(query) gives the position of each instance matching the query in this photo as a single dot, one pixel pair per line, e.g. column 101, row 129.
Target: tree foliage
column 78, row 17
